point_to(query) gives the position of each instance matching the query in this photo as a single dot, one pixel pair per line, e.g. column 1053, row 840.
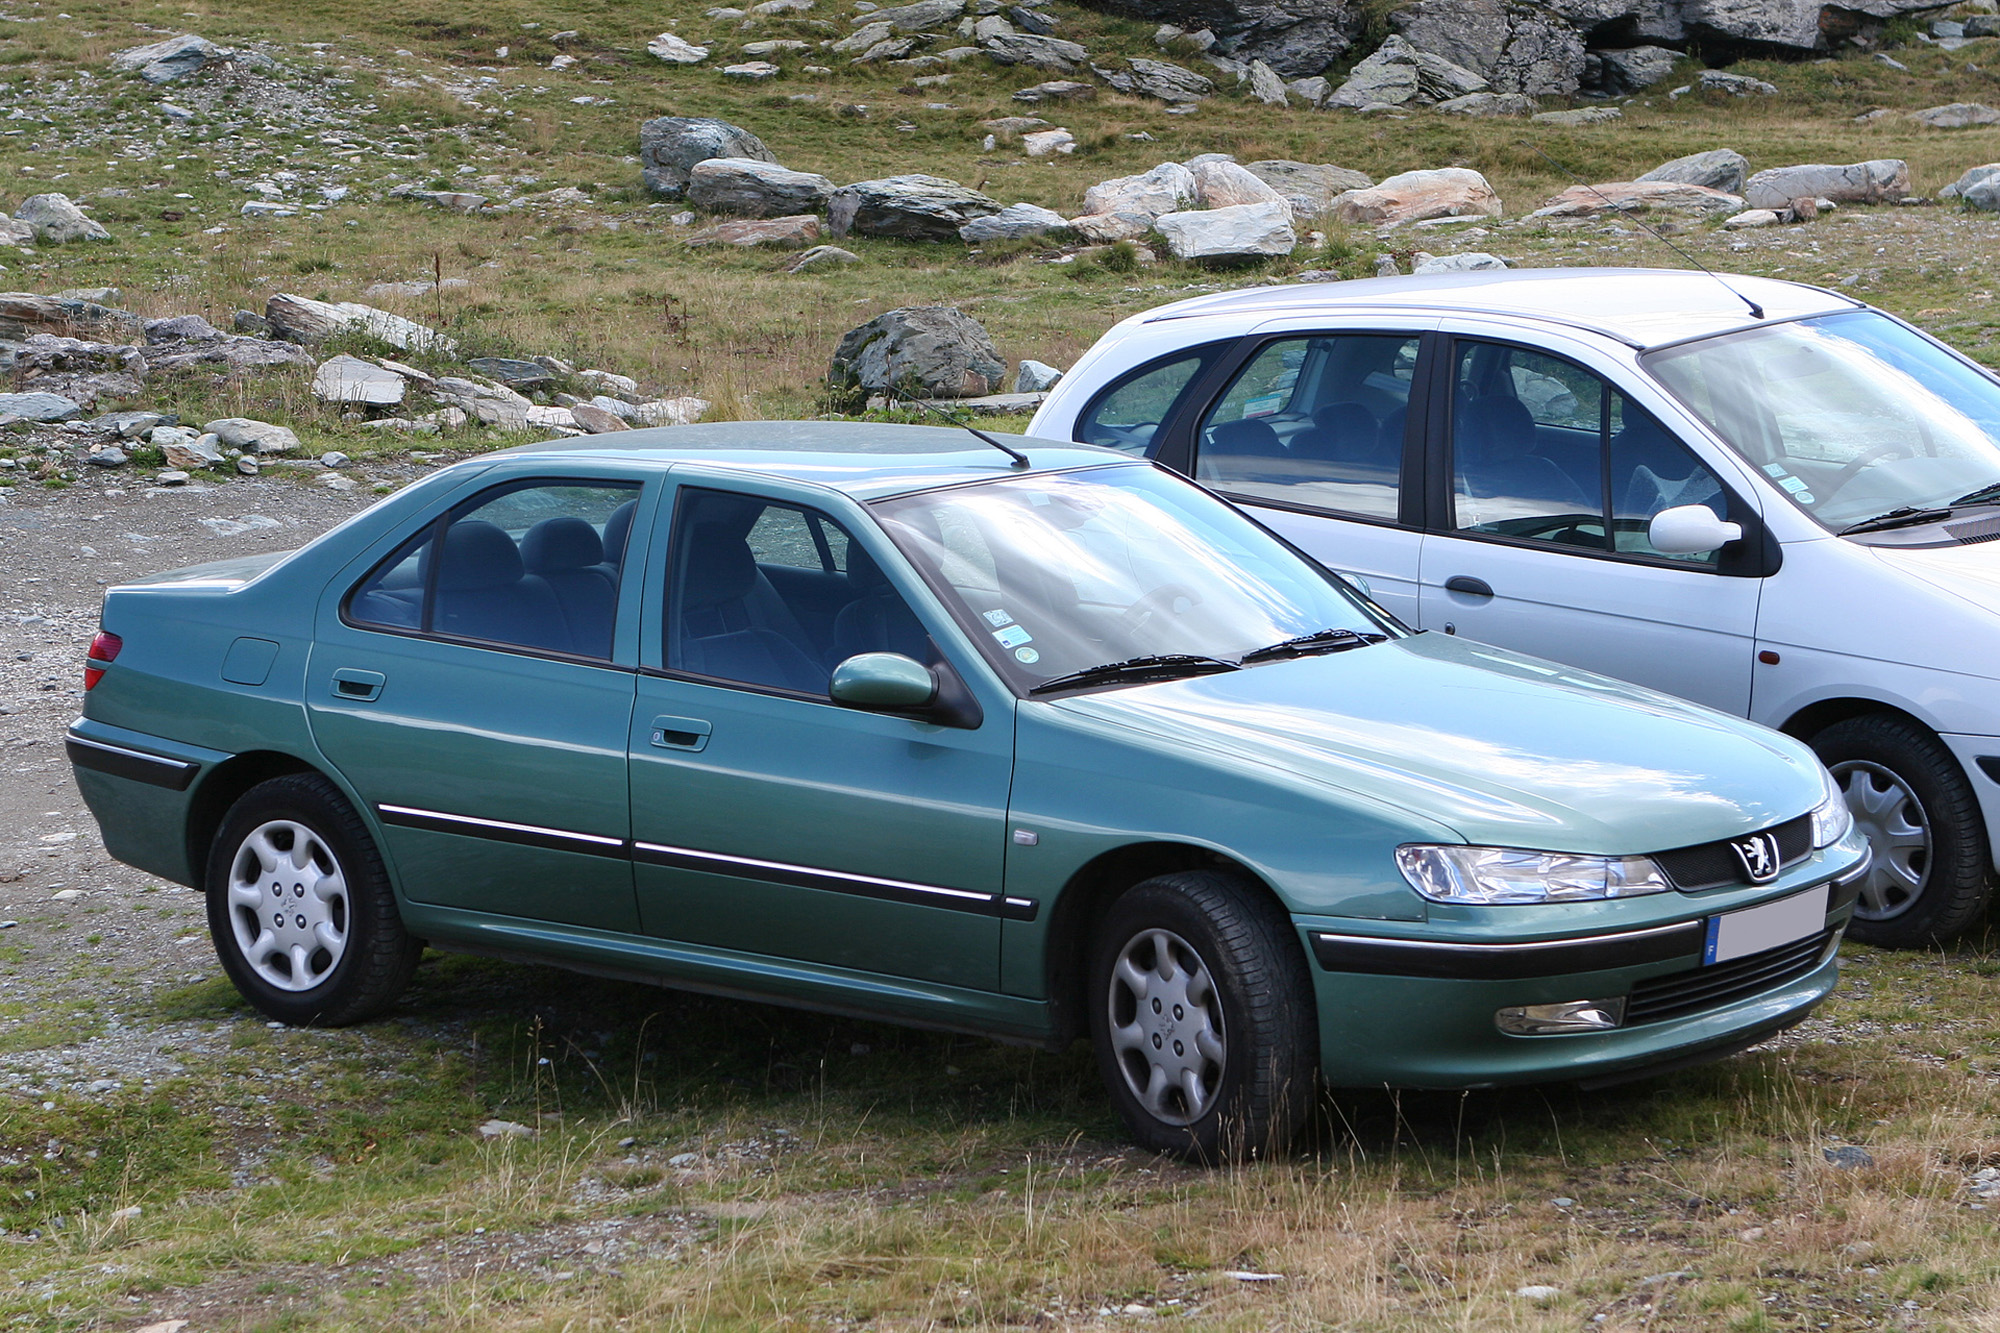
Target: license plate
column 1755, row 929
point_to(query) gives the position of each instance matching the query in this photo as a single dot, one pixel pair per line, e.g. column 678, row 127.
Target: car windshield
column 1853, row 416
column 1063, row 572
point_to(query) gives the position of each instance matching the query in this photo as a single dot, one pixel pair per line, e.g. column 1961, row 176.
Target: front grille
column 1714, row 864
column 1678, row 994
column 1975, row 530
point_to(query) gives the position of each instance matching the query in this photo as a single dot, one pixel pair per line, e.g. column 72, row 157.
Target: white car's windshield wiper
column 1905, row 517
column 1154, row 666
column 1985, row 495
column 1319, row 641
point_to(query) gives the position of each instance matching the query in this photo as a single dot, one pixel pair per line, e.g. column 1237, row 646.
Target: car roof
column 866, row 459
column 1638, row 306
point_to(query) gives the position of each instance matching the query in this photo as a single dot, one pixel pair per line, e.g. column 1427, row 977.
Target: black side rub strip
column 152, row 769
column 1507, row 962
column 499, row 830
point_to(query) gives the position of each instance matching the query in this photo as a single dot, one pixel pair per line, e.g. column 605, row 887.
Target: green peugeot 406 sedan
column 892, row 721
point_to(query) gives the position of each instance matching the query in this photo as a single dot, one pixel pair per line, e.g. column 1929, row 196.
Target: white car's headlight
column 1484, row 875
column 1831, row 818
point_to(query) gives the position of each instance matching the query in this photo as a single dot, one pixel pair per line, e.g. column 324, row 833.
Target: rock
column 1166, row 188
column 595, row 420
column 1490, row 104
column 1752, row 217
column 920, row 17
column 56, row 219
column 1884, row 58
column 1629, row 70
column 334, row 458
column 1579, row 116
column 483, row 401
column 1009, row 126
column 1847, row 1157
column 934, row 351
column 456, row 201
column 779, row 47
column 1226, row 185
column 1309, row 188
column 753, row 187
column 1416, row 195
column 505, row 1129
column 1032, row 20
column 605, row 379
column 1735, row 85
column 250, row 322
column 232, row 354
column 171, row 477
column 15, row 233
column 1511, row 46
column 1882, row 181
column 1399, row 73
column 896, row 48
column 1242, row 231
column 683, row 411
column 180, row 328
column 1957, row 116
column 1312, row 91
column 675, row 51
column 44, row 407
column 1266, row 86
column 24, row 313
column 1973, row 176
column 199, row 451
column 1035, row 377
column 130, row 425
column 1109, row 228
column 253, row 437
column 1041, row 143
column 108, row 455
column 1719, row 169
column 863, row 38
column 1982, row 25
column 752, row 70
column 791, row 233
column 1582, row 201
column 1026, row 48
column 1158, row 79
column 303, row 320
column 264, row 208
column 823, row 257
column 175, row 58
column 670, row 146
column 913, row 207
column 349, row 379
column 1540, row 1295
column 515, row 374
column 1013, row 223
column 1474, row 261
column 1057, row 90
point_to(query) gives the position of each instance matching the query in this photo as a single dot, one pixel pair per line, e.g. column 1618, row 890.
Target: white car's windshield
column 1853, row 416
column 1121, row 566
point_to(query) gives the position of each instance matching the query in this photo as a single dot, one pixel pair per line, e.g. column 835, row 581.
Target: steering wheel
column 1852, row 467
column 1155, row 603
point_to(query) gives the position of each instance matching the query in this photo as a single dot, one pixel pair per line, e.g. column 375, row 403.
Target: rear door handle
column 680, row 733
column 360, row 686
column 1468, row 585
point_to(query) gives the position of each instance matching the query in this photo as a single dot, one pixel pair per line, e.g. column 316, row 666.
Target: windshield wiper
column 1319, row 641
column 1988, row 494
column 1905, row 517
column 1153, row 666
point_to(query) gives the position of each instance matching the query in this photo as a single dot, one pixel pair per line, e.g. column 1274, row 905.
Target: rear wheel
column 1202, row 1016
column 1927, row 880
column 300, row 908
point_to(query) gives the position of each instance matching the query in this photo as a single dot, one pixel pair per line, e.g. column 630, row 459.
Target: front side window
column 1129, row 414
column 1055, row 574
column 1314, row 420
column 1545, row 450
column 529, row 565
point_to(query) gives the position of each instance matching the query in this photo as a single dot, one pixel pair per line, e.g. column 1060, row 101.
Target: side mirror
column 882, row 681
column 1689, row 530
column 1360, row 585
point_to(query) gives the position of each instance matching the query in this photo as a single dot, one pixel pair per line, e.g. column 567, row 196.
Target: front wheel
column 300, row 908
column 1202, row 1016
column 1927, row 880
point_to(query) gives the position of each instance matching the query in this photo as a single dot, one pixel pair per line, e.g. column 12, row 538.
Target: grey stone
column 776, row 47
column 130, row 425
column 252, row 436
column 862, row 38
column 1025, row 48
column 794, row 232
column 991, row 405
column 920, row 17
column 1514, row 47
column 1312, row 91
column 913, row 207
column 1166, row 188
column 1972, row 176
column 181, row 328
column 1847, row 1157
column 1579, row 116
column 1983, row 25
column 752, row 187
column 1475, row 261
column 1629, row 70
column 489, row 404
column 55, row 218
column 1882, row 181
column 175, row 58
column 303, row 320
column 1157, row 79
column 1057, row 90
column 1222, row 184
column 43, row 407
column 675, row 50
column 191, row 450
column 107, row 455
column 933, row 351
column 1983, row 194
column 250, row 322
column 1736, row 85
column 895, row 48
column 1637, row 196
column 1957, row 116
column 1242, row 231
column 595, row 420
column 1722, row 169
column 1035, row 377
column 515, row 374
column 15, row 233
column 1266, row 86
column 1399, row 73
column 1014, row 222
column 1414, row 196
column 1490, row 104
column 1308, row 187
column 1032, row 20
column 227, row 352
column 670, row 146
column 1753, row 217
column 823, row 257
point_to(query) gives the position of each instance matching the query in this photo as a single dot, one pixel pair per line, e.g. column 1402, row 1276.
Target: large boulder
column 1399, row 73
column 1629, row 70
column 1489, row 105
column 1517, row 48
column 914, row 207
column 1165, row 189
column 55, row 218
column 1015, row 222
column 301, row 319
column 253, row 436
column 1239, row 232
column 1581, row 201
column 1310, row 188
column 1414, row 196
column 676, row 50
column 349, row 379
column 24, row 313
column 1221, row 184
column 932, row 351
column 786, row 233
column 1957, row 116
column 751, row 187
column 1979, row 175
column 1722, row 169
column 39, row 407
column 1157, row 78
column 669, row 147
column 1882, row 181
column 13, row 232
column 921, row 16
column 175, row 58
column 1025, row 48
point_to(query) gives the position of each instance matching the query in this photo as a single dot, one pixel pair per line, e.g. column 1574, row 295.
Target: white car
column 1762, row 496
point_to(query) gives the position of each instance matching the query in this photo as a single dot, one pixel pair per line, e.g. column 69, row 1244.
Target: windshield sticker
column 1793, row 484
column 998, row 618
column 1013, row 636
column 1027, row 656
column 1263, row 407
column 1805, row 497
column 1775, row 469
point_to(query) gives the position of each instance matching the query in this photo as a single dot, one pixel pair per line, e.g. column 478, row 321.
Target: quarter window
column 1129, row 414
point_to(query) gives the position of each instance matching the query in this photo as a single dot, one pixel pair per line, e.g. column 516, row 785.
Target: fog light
column 1534, row 1020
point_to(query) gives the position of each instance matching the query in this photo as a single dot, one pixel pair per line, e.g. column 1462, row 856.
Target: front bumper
column 1420, row 1010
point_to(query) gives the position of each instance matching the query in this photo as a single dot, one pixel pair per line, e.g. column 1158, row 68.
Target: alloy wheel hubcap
column 1898, row 832
column 288, row 906
column 1166, row 1026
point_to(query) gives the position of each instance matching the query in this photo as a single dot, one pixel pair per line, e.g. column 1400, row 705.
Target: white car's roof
column 1642, row 307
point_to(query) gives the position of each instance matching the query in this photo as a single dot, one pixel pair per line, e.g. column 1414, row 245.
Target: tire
column 1929, row 877
column 1202, row 1016
column 337, row 953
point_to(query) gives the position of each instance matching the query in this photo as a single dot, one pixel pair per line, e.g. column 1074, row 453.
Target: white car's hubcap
column 288, row 905
column 1889, row 813
column 1166, row 1026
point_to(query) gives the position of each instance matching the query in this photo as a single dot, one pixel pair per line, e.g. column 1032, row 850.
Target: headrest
column 560, row 544
column 720, row 567
column 1506, row 428
column 477, row 554
column 864, row 576
column 1346, row 422
column 1247, row 437
column 616, row 529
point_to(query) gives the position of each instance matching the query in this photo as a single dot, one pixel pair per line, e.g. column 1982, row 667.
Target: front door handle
column 360, row 686
column 680, row 733
column 1468, row 585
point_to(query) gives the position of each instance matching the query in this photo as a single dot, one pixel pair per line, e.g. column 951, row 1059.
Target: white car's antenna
column 1756, row 311
column 1020, row 459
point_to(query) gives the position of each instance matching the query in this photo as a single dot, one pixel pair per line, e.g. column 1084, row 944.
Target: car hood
column 1970, row 572
column 1506, row 750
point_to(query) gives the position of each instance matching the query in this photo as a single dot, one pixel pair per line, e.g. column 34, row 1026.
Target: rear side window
column 1128, row 414
column 534, row 565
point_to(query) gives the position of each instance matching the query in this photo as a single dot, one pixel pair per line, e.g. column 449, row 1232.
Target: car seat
column 567, row 554
column 484, row 591
column 717, row 634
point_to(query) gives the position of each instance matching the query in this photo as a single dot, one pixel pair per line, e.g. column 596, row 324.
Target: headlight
column 1453, row 874
column 1831, row 818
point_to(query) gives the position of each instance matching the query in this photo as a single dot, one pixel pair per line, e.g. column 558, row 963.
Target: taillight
column 103, row 652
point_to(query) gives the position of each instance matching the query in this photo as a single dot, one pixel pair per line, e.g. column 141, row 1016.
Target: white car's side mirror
column 1689, row 530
